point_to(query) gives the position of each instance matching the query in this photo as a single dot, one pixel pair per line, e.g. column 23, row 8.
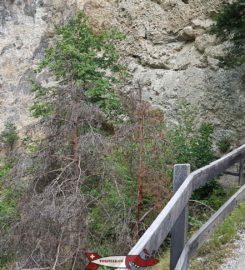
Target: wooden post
column 241, row 173
column 179, row 230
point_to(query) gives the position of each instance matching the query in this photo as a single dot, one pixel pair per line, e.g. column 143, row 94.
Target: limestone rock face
column 167, row 49
column 172, row 56
column 25, row 30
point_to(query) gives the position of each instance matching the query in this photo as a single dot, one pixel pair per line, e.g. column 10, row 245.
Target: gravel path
column 237, row 260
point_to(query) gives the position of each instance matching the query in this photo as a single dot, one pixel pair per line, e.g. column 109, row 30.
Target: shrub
column 113, row 210
column 136, row 162
column 224, row 144
column 216, row 249
column 69, row 169
column 144, row 147
column 193, row 144
column 8, row 197
column 7, row 206
column 9, row 136
column 230, row 25
column 87, row 59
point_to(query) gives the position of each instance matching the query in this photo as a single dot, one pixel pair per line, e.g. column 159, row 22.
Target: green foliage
column 5, row 169
column 4, row 260
column 42, row 106
column 31, row 146
column 190, row 143
column 78, row 112
column 39, row 109
column 195, row 223
column 216, row 249
column 206, row 193
column 114, row 204
column 8, row 206
column 113, row 215
column 9, row 136
column 145, row 150
column 217, row 197
column 164, row 261
column 230, row 25
column 88, row 59
column 224, row 144
column 201, row 146
column 8, row 200
column 38, row 89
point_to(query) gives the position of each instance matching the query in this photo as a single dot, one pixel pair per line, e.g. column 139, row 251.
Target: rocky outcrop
column 167, row 49
column 171, row 54
column 25, row 30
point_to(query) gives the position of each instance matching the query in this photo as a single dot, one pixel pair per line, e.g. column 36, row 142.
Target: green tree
column 193, row 143
column 230, row 26
column 69, row 170
column 87, row 59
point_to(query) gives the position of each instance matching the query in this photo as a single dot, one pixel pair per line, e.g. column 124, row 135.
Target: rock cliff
column 167, row 49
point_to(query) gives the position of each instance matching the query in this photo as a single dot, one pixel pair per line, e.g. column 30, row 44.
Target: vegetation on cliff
column 230, row 26
column 89, row 161
column 97, row 165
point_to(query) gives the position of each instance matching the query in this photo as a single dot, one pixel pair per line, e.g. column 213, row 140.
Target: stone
column 215, row 51
column 204, row 41
column 213, row 63
column 18, row 43
column 202, row 23
column 187, row 34
column 167, row 49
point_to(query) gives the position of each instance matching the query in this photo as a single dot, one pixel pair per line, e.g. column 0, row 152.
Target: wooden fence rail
column 207, row 229
column 170, row 216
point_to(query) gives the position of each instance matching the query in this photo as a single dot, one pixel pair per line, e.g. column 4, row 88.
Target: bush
column 8, row 209
column 224, row 144
column 87, row 59
column 69, row 169
column 113, row 210
column 230, row 26
column 8, row 200
column 136, row 164
column 9, row 136
column 216, row 249
column 193, row 144
column 8, row 206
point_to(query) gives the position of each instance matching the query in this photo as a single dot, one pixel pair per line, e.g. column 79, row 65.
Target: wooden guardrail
column 173, row 218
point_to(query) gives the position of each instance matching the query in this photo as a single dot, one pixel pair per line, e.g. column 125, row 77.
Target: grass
column 213, row 253
column 164, row 261
column 8, row 208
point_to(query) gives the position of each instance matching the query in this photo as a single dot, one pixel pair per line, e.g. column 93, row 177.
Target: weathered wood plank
column 231, row 173
column 159, row 229
column 207, row 229
column 198, row 239
column 179, row 230
column 183, row 261
column 241, row 173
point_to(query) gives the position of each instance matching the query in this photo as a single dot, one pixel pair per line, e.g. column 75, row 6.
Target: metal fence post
column 241, row 173
column 179, row 230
